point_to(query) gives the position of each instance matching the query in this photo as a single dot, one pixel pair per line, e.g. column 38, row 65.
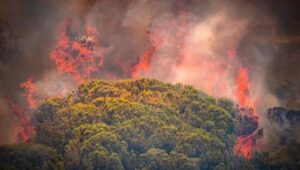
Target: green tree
column 29, row 156
column 141, row 124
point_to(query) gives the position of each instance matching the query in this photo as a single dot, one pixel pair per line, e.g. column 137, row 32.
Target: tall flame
column 243, row 89
column 245, row 143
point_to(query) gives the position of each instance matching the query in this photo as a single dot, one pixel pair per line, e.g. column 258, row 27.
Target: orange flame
column 142, row 67
column 77, row 56
column 143, row 64
column 244, row 144
column 30, row 90
column 243, row 90
column 23, row 129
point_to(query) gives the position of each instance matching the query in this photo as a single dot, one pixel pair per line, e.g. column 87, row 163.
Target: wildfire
column 143, row 64
column 242, row 88
column 142, row 67
column 158, row 42
column 245, row 143
column 75, row 55
column 30, row 90
column 23, row 128
column 204, row 72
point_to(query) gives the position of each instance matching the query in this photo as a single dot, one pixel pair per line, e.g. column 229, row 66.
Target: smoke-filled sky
column 205, row 43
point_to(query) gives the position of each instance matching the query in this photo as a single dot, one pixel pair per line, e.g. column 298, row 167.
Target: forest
column 135, row 124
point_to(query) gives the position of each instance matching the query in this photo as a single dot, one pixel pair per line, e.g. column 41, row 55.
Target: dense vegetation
column 137, row 124
column 142, row 124
column 29, row 156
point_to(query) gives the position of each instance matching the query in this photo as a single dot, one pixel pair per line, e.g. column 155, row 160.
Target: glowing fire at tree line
column 81, row 56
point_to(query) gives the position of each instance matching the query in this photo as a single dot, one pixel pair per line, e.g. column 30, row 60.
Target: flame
column 142, row 67
column 78, row 56
column 23, row 129
column 242, row 91
column 158, row 42
column 245, row 144
column 73, row 55
column 29, row 91
column 143, row 64
column 196, row 64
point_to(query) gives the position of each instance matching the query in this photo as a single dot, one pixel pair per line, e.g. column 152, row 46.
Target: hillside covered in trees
column 132, row 124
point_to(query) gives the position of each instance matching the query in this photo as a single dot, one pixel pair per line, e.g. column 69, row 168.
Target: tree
column 142, row 124
column 29, row 156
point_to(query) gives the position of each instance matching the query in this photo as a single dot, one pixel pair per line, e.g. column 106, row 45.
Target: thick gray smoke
column 202, row 43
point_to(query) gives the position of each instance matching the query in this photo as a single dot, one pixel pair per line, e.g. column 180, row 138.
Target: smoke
column 6, row 119
column 207, row 49
column 283, row 141
column 201, row 43
column 286, row 123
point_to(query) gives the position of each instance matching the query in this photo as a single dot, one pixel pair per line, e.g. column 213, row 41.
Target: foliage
column 141, row 124
column 29, row 156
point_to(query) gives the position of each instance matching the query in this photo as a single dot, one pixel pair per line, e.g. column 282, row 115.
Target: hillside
column 137, row 124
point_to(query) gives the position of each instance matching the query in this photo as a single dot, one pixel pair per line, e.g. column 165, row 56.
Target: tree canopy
column 29, row 156
column 134, row 124
column 143, row 124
